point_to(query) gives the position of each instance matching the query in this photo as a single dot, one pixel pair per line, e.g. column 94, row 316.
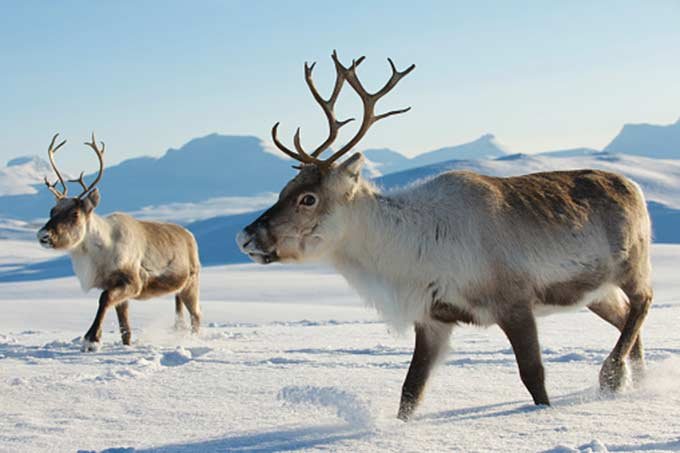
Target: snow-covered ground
column 289, row 359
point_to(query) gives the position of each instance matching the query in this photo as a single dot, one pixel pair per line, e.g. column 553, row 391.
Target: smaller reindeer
column 124, row 257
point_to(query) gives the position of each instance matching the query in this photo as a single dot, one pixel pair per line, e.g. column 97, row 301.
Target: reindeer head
column 307, row 220
column 67, row 225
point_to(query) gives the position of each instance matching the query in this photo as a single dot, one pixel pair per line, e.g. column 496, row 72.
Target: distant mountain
column 385, row 161
column 21, row 175
column 648, row 140
column 207, row 167
column 485, row 147
column 218, row 167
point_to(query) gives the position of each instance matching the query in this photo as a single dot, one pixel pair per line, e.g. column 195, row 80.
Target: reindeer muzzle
column 252, row 241
column 45, row 238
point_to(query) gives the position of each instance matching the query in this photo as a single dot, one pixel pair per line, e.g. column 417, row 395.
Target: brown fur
column 450, row 314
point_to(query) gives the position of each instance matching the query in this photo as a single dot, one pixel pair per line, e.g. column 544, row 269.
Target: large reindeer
column 124, row 257
column 465, row 248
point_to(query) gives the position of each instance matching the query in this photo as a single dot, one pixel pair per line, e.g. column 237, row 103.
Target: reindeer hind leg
column 124, row 322
column 629, row 344
column 615, row 311
column 179, row 313
column 189, row 297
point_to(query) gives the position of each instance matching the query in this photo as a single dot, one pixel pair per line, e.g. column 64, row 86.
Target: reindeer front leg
column 431, row 340
column 126, row 287
column 520, row 328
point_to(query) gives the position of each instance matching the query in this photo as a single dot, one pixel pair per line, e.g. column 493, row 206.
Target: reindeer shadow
column 267, row 441
column 509, row 408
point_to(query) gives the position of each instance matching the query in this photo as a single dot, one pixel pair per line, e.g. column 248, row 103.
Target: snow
column 289, row 359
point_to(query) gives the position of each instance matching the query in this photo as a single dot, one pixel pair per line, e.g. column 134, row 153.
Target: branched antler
column 369, row 117
column 100, row 157
column 53, row 186
column 80, row 181
column 86, row 188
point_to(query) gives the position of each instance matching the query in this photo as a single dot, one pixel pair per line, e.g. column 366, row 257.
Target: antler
column 100, row 156
column 369, row 118
column 53, row 187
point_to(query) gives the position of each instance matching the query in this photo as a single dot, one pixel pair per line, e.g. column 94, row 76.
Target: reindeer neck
column 380, row 229
column 97, row 235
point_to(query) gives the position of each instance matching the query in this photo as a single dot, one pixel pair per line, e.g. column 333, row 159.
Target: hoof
column 406, row 411
column 403, row 416
column 90, row 346
column 613, row 375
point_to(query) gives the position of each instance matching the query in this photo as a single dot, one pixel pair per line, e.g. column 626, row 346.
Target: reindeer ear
column 91, row 201
column 353, row 165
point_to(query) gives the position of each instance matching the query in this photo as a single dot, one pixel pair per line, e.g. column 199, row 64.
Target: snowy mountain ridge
column 21, row 175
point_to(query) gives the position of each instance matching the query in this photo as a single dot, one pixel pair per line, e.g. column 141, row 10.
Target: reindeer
column 464, row 248
column 124, row 257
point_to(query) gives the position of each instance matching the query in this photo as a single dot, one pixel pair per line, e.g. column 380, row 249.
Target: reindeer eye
column 308, row 200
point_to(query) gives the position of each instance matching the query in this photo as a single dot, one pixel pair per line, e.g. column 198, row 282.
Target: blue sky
column 149, row 75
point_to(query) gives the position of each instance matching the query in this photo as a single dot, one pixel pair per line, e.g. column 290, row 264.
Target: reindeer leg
column 91, row 338
column 125, row 289
column 521, row 331
column 613, row 371
column 615, row 312
column 179, row 313
column 124, row 322
column 189, row 296
column 431, row 340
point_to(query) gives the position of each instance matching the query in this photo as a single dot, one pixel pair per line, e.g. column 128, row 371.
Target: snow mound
column 347, row 406
column 179, row 356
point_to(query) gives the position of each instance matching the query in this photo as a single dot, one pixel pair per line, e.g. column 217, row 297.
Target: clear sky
column 150, row 75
